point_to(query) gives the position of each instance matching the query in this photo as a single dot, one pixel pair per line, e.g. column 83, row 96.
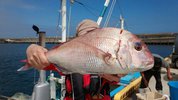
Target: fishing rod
column 103, row 12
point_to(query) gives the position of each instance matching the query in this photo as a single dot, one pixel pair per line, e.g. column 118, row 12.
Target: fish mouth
column 147, row 65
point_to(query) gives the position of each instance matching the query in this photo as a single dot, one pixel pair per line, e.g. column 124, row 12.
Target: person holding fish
column 156, row 72
column 107, row 52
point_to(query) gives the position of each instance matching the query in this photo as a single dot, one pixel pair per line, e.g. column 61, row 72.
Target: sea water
column 12, row 81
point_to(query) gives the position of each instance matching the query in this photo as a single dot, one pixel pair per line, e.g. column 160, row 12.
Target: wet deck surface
column 164, row 79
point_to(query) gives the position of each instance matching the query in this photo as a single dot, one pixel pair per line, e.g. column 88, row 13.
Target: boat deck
column 125, row 95
column 152, row 83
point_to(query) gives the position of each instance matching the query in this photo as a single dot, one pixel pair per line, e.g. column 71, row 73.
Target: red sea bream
column 102, row 51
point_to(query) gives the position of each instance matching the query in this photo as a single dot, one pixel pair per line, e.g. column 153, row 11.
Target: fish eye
column 138, row 46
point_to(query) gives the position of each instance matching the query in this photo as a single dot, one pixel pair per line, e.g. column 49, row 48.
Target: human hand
column 36, row 56
column 169, row 77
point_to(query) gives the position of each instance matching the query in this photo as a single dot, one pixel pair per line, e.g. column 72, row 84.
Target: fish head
column 133, row 53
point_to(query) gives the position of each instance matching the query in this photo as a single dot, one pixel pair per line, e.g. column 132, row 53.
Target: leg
column 77, row 81
column 157, row 76
column 147, row 74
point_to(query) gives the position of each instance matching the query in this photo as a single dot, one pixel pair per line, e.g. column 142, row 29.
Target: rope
column 87, row 8
column 110, row 13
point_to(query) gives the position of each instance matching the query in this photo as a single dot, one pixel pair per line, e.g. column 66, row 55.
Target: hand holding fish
column 36, row 56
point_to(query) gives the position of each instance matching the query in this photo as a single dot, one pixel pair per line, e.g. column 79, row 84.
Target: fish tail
column 50, row 67
column 25, row 67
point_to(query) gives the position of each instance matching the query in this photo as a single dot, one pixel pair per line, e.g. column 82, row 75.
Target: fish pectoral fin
column 109, row 60
column 54, row 68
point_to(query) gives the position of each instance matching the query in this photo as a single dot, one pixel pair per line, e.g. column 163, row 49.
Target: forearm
column 168, row 71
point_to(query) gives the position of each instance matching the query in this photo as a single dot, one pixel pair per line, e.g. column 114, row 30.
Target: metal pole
column 52, row 87
column 41, row 90
column 42, row 43
column 63, row 20
column 63, row 88
column 62, row 79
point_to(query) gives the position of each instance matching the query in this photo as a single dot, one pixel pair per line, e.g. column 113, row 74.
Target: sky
column 141, row 16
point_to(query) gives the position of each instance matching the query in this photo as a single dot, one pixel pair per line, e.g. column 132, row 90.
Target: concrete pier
column 160, row 39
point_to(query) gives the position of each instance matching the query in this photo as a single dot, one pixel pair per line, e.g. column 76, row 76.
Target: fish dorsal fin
column 86, row 26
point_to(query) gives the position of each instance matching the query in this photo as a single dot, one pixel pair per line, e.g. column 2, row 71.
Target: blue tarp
column 125, row 80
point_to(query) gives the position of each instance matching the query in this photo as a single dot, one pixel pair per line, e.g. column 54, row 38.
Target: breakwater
column 166, row 39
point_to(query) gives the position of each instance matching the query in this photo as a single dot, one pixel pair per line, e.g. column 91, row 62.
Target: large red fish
column 102, row 51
